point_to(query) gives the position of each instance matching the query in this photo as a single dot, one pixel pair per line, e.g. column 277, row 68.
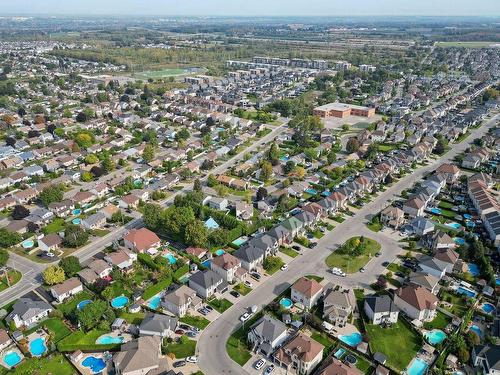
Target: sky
column 254, row 7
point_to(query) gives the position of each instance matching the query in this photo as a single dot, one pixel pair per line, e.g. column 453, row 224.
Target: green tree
column 108, row 165
column 75, row 236
column 86, row 176
column 53, row 275
column 152, row 216
column 84, row 139
column 195, row 234
column 266, row 171
column 94, row 313
column 149, row 153
column 50, row 194
column 4, row 257
column 91, row 159
column 353, row 145
column 70, row 265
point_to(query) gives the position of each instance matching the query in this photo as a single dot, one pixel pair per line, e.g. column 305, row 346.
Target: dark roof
column 381, row 304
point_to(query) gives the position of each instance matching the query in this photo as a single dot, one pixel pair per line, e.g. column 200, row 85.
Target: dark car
column 185, row 327
column 203, row 311
column 209, row 308
column 234, row 293
column 400, row 274
column 191, row 334
column 180, row 331
column 179, row 364
column 385, row 264
column 295, row 247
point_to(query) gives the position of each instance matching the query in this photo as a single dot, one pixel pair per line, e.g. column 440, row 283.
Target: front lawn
column 220, row 305
column 182, row 349
column 242, row 289
column 353, row 254
column 398, row 343
column 289, row 251
column 374, row 226
column 195, row 321
column 237, row 347
column 272, row 264
column 54, row 364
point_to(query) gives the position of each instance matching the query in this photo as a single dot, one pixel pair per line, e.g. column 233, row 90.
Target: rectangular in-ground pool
column 417, row 367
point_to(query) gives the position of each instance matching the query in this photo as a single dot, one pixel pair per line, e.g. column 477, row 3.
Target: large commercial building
column 293, row 63
column 342, row 110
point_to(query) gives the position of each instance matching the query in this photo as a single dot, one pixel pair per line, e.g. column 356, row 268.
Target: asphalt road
column 211, row 349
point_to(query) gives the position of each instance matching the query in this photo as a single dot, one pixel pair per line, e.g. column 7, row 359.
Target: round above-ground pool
column 28, row 244
column 37, row 347
column 286, row 303
column 83, row 303
column 351, row 359
column 109, row 340
column 119, row 302
column 474, row 328
column 352, row 339
column 434, row 337
column 488, row 308
column 12, row 358
column 96, row 365
column 76, row 221
column 77, row 211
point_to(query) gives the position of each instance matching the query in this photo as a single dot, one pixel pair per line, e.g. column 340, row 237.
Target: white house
column 306, row 292
column 417, row 302
column 66, row 289
column 381, row 310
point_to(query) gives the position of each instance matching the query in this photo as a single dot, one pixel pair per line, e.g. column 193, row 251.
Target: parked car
column 195, row 329
column 180, row 331
column 296, row 247
column 234, row 293
column 203, row 311
column 284, row 267
column 378, row 254
column 209, row 308
column 247, row 283
column 269, row 370
column 385, row 264
column 192, row 359
column 258, row 365
column 362, row 269
column 257, row 276
column 179, row 363
column 245, row 317
column 191, row 334
column 184, row 327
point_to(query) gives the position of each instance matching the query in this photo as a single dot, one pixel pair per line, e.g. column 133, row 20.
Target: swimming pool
column 206, row 263
column 286, row 303
column 339, row 353
column 436, row 211
column 37, row 347
column 326, row 193
column 469, row 293
column 240, row 241
column 470, row 224
column 154, row 302
column 497, row 281
column 353, row 339
column 108, row 340
column 473, row 269
column 417, row 367
column 434, row 337
column 76, row 211
column 453, row 225
column 76, row 221
column 459, row 240
column 474, row 328
column 96, row 365
column 83, row 303
column 119, row 302
column 28, row 244
column 12, row 358
column 467, row 216
column 219, row 252
column 311, row 191
column 488, row 308
column 171, row 259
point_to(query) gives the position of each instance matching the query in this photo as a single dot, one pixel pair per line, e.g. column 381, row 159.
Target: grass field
column 164, row 73
column 184, row 348
column 55, row 364
column 465, row 44
column 348, row 261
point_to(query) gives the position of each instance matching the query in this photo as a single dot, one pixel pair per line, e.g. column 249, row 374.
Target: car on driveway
column 184, row 327
column 258, row 365
column 192, row 359
column 179, row 364
column 295, row 247
column 269, row 370
column 257, row 276
column 180, row 331
column 378, row 254
column 234, row 293
column 247, row 283
column 191, row 334
column 209, row 308
column 203, row 311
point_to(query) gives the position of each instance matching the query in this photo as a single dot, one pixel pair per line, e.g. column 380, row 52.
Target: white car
column 284, row 267
column 245, row 317
column 192, row 359
column 248, row 284
column 258, row 365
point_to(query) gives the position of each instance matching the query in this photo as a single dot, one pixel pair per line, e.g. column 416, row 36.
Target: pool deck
column 126, row 337
column 77, row 362
column 39, row 334
column 11, row 348
column 346, row 330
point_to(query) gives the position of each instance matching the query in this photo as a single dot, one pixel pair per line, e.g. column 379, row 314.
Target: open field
column 163, row 73
column 467, row 44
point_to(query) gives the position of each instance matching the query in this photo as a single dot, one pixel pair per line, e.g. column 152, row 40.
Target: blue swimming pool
column 453, row 225
column 470, row 224
column 239, row 241
column 119, row 302
column 353, row 339
column 436, row 211
column 77, row 211
column 286, row 303
column 497, row 281
column 467, row 216
column 28, row 244
column 339, row 353
column 96, row 365
column 76, row 221
column 154, row 302
column 83, row 303
column 459, row 240
column 488, row 308
column 171, row 259
column 469, row 293
column 474, row 328
column 311, row 191
column 108, row 340
column 473, row 269
column 417, row 367
column 326, row 193
column 37, row 347
column 11, row 358
column 434, row 337
column 219, row 252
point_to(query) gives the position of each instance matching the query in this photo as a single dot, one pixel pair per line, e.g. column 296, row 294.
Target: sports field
column 164, row 73
column 468, row 44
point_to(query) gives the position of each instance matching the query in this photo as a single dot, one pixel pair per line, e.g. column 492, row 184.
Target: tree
column 149, row 153
column 50, row 194
column 20, row 212
column 440, row 147
column 53, row 275
column 352, row 145
column 271, row 263
column 97, row 171
column 197, row 185
column 108, row 164
column 91, row 159
column 152, row 216
column 4, row 257
column 261, row 193
column 8, row 238
column 84, row 139
column 10, row 141
column 195, row 234
column 94, row 313
column 266, row 171
column 182, row 134
column 81, row 117
column 289, row 167
column 175, row 219
column 70, row 265
column 75, row 236
column 86, row 176
column 299, row 172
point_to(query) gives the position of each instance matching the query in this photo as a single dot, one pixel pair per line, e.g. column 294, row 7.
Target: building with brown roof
column 140, row 356
column 337, row 367
column 417, row 302
column 450, row 171
column 301, row 353
column 306, row 292
column 66, row 289
column 50, row 242
column 229, row 267
column 392, row 216
column 142, row 240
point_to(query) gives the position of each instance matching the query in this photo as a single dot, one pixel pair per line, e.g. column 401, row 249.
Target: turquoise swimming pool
column 286, row 303
column 76, row 221
column 37, row 347
column 240, row 241
column 459, row 241
column 453, row 225
column 28, row 244
column 154, row 302
column 219, row 252
column 171, row 259
column 339, row 353
column 417, row 367
column 109, row 340
column 434, row 337
column 474, row 328
column 353, row 339
column 77, row 211
column 12, row 358
column 119, row 302
column 467, row 292
column 83, row 303
column 96, row 365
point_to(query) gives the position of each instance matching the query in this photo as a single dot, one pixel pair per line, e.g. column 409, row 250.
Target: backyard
column 353, row 254
column 439, row 322
column 56, row 327
column 80, row 340
column 54, row 364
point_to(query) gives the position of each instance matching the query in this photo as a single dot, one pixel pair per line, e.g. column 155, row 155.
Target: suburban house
column 337, row 367
column 450, row 171
column 95, row 221
column 130, row 201
column 338, row 304
column 142, row 240
column 66, row 289
column 392, row 216
column 181, row 301
column 486, row 358
column 122, row 259
column 251, row 257
column 431, row 283
column 306, row 292
column 88, row 276
column 422, row 226
column 381, row 310
column 5, row 340
column 207, row 283
column 158, row 325
column 229, row 267
column 301, row 353
column 449, row 256
column 27, row 313
column 438, row 240
column 414, row 207
column 267, row 334
column 50, row 242
column 432, row 266
column 100, row 267
column 417, row 302
column 140, row 356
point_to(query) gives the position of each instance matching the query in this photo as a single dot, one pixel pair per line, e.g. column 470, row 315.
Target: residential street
column 212, row 343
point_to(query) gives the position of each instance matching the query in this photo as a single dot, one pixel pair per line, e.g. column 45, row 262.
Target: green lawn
column 154, row 289
column 195, row 321
column 473, row 44
column 54, row 364
column 57, row 328
column 80, row 340
column 348, row 261
column 289, row 251
column 459, row 306
column 184, row 348
column 237, row 348
column 399, row 343
column 220, row 305
column 274, row 266
column 375, row 226
column 132, row 318
column 14, row 276
column 444, row 204
column 69, row 306
column 394, row 267
column 159, row 73
column 323, row 339
column 57, row 225
column 242, row 289
column 439, row 322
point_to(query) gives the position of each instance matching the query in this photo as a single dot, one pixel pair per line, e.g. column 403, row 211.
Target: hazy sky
column 255, row 7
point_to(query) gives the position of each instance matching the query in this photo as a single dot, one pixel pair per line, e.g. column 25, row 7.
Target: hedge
column 154, row 289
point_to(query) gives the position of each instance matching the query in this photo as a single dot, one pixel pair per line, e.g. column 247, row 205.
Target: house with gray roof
column 486, row 358
column 251, row 257
column 381, row 310
column 207, row 283
column 267, row 334
column 27, row 313
column 140, row 356
column 158, row 325
column 432, row 266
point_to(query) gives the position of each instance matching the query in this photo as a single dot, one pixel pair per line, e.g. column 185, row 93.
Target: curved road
column 213, row 358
